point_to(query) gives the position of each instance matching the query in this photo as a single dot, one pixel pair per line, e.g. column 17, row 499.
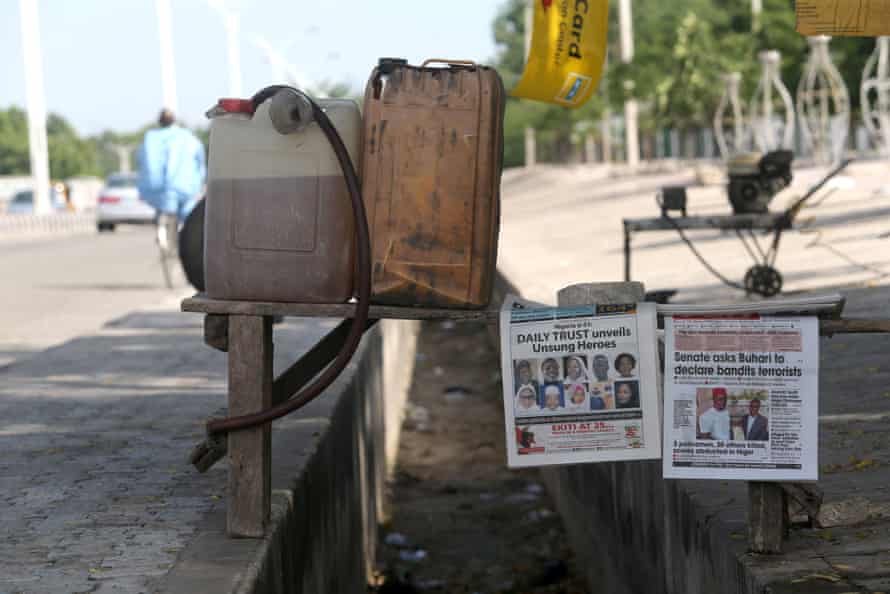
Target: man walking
column 171, row 168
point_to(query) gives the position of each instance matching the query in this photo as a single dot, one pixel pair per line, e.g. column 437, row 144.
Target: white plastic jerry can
column 279, row 224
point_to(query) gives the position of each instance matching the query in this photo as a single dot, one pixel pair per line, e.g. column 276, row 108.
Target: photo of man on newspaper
column 755, row 425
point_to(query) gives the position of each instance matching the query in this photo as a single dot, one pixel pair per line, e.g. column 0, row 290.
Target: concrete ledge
column 329, row 466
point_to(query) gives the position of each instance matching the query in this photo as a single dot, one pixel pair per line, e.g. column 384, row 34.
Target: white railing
column 14, row 226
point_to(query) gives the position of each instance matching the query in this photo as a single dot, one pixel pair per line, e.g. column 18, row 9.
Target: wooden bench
column 244, row 330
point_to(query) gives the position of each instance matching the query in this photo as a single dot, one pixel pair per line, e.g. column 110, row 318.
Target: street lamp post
column 232, row 23
column 35, row 105
column 630, row 105
column 531, row 146
column 123, row 152
column 756, row 11
column 168, row 69
column 285, row 72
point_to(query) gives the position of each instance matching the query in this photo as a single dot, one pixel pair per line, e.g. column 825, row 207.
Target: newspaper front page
column 580, row 383
column 741, row 397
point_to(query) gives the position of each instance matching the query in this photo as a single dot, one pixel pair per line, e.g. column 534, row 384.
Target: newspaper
column 741, row 397
column 581, row 384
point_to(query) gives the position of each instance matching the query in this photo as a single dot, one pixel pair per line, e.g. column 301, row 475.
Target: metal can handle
column 468, row 63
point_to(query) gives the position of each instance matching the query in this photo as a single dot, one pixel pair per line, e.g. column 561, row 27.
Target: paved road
column 563, row 225
column 54, row 290
column 95, row 492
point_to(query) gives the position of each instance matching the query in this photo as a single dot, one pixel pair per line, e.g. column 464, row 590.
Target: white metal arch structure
column 730, row 118
column 771, row 130
column 875, row 95
column 823, row 104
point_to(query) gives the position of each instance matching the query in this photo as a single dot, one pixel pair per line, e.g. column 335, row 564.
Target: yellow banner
column 568, row 48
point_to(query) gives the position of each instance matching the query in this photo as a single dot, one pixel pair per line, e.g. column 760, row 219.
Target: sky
column 101, row 58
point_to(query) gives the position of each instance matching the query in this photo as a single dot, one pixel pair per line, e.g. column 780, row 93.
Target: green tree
column 13, row 142
column 682, row 49
column 69, row 155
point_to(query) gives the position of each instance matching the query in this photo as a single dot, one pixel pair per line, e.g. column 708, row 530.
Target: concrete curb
column 329, row 468
column 14, row 226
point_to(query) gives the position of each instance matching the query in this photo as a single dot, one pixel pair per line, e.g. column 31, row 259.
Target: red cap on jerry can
column 231, row 105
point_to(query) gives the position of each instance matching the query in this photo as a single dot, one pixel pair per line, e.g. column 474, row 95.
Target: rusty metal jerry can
column 279, row 222
column 431, row 170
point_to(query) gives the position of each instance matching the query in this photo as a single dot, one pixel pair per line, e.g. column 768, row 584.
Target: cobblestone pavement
column 96, row 494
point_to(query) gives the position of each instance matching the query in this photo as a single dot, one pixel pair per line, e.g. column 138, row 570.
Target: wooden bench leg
column 767, row 517
column 250, row 450
column 626, row 254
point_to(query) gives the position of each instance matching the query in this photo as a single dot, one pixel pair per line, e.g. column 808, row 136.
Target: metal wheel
column 191, row 246
column 763, row 280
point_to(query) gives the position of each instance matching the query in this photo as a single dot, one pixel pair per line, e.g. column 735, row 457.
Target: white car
column 119, row 203
column 23, row 202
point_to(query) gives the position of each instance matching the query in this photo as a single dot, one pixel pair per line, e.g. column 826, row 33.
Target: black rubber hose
column 701, row 258
column 359, row 321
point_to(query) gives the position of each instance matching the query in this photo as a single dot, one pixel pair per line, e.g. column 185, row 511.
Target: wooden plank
column 250, row 450
column 808, row 497
column 201, row 304
column 767, row 517
column 309, row 365
column 853, row 326
column 744, row 221
column 216, row 331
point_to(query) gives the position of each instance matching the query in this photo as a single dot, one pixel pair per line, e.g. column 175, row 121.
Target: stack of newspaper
column 824, row 306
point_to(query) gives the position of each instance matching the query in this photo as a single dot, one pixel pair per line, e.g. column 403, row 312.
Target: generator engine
column 754, row 180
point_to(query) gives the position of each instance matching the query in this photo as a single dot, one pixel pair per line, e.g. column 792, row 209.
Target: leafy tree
column 14, row 158
column 69, row 155
column 682, row 49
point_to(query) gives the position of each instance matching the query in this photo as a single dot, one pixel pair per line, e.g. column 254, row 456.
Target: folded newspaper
column 581, row 384
column 829, row 305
